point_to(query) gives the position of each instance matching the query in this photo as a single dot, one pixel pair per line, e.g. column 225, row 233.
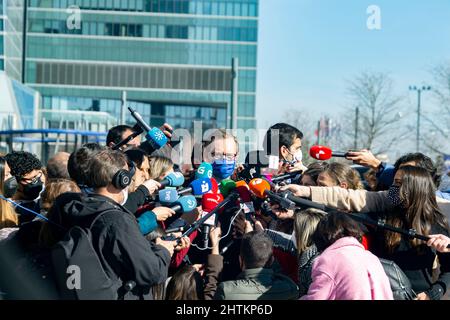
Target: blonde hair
column 344, row 173
column 158, row 166
column 8, row 216
column 305, row 224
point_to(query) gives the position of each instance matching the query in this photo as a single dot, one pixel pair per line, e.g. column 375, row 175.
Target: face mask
column 32, row 191
column 296, row 157
column 223, row 168
column 9, row 187
column 394, row 196
column 125, row 196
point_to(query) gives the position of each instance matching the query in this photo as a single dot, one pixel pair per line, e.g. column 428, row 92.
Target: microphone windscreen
column 200, row 186
column 226, row 186
column 258, row 187
column 174, row 179
column 204, row 171
column 156, row 138
column 147, row 222
column 168, row 196
column 214, row 186
column 187, row 203
column 244, row 191
column 320, row 152
column 210, row 201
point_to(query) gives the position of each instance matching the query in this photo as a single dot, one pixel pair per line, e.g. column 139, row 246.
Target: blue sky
column 308, row 49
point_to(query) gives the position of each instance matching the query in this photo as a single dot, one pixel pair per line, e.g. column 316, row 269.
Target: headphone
column 121, row 179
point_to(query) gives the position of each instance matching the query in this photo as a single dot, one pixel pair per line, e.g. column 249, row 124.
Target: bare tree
column 379, row 112
column 436, row 135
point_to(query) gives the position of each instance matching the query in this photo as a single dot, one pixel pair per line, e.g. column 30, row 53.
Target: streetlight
column 419, row 96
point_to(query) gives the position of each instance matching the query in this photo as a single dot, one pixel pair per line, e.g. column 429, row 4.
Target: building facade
column 172, row 57
column 11, row 26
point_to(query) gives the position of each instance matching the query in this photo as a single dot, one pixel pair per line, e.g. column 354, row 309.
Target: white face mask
column 125, row 196
column 298, row 155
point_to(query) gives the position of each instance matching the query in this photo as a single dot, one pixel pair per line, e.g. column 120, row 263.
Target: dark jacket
column 258, row 284
column 213, row 269
column 285, row 243
column 137, row 199
column 416, row 265
column 124, row 253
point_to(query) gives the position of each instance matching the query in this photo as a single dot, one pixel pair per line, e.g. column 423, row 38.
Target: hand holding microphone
column 151, row 185
column 364, row 158
column 209, row 203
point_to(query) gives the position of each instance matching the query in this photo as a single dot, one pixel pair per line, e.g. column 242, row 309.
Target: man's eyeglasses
column 31, row 180
column 223, row 156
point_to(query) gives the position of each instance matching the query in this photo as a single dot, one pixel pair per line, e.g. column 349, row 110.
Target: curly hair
column 22, row 162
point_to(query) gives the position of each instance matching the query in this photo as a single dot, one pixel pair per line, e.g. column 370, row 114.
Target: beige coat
column 361, row 200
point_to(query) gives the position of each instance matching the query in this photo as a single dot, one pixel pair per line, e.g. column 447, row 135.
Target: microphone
column 244, row 193
column 214, row 186
column 185, row 204
column 288, row 177
column 225, row 186
column 154, row 136
column 209, row 203
column 204, row 171
column 303, row 203
column 168, row 196
column 229, row 199
column 197, row 187
column 261, row 189
column 173, row 179
column 325, row 153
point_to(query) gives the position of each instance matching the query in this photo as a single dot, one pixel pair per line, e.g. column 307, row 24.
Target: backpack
column 400, row 284
column 79, row 272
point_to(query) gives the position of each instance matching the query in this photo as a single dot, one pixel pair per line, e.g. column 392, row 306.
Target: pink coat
column 346, row 271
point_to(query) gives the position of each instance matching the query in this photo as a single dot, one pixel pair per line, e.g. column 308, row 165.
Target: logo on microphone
column 167, row 196
column 257, row 181
column 204, row 186
column 159, row 135
column 319, row 153
column 191, row 203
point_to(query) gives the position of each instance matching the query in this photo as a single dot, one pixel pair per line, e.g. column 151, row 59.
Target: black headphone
column 122, row 179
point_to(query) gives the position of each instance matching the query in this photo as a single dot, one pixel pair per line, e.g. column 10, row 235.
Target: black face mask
column 32, row 190
column 9, row 187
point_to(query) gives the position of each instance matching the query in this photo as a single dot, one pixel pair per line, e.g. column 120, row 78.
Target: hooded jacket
column 124, row 253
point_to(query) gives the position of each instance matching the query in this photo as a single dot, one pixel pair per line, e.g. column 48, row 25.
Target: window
column 252, row 10
column 146, row 30
column 215, row 8
column 154, row 31
column 229, row 9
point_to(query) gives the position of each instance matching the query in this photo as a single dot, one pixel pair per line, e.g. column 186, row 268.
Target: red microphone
column 246, row 197
column 214, row 186
column 324, row 153
column 209, row 202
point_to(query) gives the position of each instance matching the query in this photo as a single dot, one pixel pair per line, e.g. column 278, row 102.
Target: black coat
column 124, row 253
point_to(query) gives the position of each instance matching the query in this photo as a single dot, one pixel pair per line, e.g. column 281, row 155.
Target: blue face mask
column 223, row 168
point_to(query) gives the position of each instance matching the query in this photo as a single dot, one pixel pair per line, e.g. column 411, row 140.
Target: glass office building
column 172, row 57
column 11, row 26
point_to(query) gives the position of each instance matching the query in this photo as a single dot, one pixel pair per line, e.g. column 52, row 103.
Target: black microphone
column 301, row 202
column 288, row 176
